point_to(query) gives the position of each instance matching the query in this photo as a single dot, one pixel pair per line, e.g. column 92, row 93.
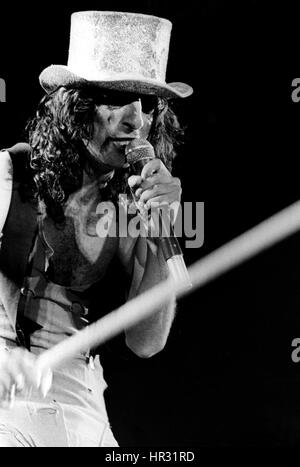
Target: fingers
column 134, row 181
column 19, row 371
column 14, row 372
column 153, row 172
column 157, row 193
column 153, row 166
column 154, row 181
column 167, row 193
column 6, row 383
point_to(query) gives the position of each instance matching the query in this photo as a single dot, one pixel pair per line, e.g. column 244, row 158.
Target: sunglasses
column 119, row 99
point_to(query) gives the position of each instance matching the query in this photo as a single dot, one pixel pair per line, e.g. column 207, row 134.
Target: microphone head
column 139, row 149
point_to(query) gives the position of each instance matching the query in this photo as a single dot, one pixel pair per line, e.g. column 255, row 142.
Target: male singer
column 52, row 261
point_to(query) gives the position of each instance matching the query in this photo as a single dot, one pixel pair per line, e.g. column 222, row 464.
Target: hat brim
column 56, row 76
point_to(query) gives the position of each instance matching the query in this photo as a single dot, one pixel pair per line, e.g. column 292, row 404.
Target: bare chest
column 84, row 245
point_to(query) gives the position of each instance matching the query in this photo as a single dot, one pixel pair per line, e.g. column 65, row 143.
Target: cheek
column 147, row 123
column 98, row 133
column 100, row 130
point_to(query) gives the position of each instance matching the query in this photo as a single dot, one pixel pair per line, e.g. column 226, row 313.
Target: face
column 119, row 118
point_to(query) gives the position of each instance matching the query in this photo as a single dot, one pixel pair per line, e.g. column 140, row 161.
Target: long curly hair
column 63, row 121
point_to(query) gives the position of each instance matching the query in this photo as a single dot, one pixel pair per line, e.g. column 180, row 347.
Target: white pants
column 73, row 414
column 32, row 424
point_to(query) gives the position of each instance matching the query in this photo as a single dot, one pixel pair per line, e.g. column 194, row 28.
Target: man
column 53, row 260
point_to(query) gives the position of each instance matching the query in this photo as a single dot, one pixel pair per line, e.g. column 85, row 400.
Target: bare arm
column 6, row 177
column 144, row 259
column 148, row 269
column 17, row 367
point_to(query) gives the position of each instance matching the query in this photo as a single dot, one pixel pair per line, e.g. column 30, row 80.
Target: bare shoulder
column 6, row 175
column 6, row 167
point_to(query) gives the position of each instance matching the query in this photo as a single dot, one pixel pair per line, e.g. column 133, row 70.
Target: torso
column 80, row 257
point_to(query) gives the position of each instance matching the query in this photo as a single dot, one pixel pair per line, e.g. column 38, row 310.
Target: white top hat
column 118, row 51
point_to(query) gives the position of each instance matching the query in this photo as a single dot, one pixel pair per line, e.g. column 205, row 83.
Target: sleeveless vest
column 21, row 223
column 19, row 235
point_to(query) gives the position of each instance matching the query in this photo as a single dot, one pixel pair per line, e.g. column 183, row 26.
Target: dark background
column 226, row 377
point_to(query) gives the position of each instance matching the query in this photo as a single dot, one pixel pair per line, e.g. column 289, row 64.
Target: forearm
column 150, row 335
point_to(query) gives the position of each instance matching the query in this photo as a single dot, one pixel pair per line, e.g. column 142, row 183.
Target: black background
column 226, row 377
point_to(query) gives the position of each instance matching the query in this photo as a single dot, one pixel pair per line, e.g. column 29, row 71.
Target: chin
column 115, row 163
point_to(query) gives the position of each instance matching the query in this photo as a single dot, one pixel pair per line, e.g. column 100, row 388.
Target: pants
column 32, row 424
column 73, row 414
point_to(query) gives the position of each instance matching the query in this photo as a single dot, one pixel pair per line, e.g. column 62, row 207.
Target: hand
column 155, row 187
column 19, row 371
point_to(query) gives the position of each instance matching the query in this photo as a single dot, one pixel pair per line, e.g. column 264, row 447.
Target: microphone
column 138, row 153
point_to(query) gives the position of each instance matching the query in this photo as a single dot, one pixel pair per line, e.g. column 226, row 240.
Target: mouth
column 121, row 141
column 119, row 145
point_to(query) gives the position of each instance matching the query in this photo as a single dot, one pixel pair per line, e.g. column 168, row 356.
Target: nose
column 132, row 115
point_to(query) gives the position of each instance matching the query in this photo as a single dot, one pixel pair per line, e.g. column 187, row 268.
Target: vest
column 22, row 223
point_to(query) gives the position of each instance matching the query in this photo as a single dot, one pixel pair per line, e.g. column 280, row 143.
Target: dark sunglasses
column 119, row 99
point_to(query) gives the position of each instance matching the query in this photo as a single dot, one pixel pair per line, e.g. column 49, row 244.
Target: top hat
column 116, row 51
